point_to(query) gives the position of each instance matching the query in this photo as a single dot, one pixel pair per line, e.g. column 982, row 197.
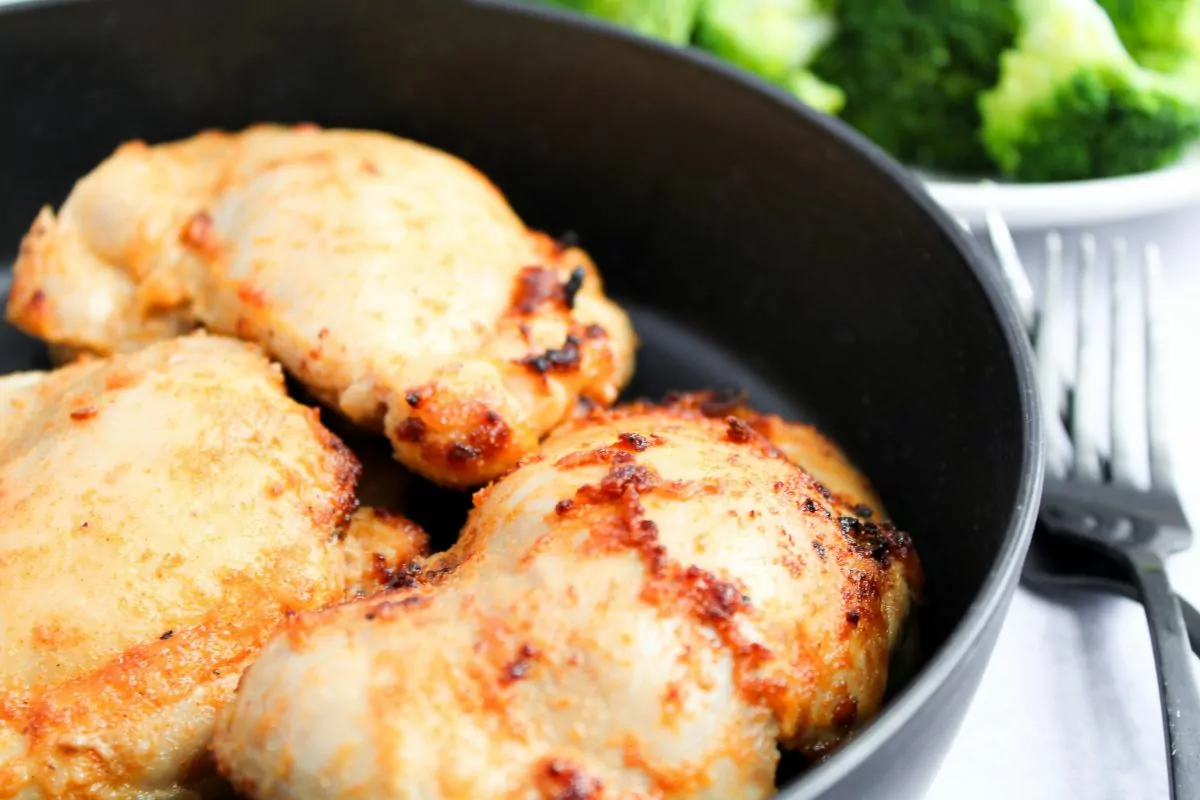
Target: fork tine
column 1090, row 419
column 1063, row 317
column 1130, row 427
column 1005, row 249
column 1068, row 356
column 1156, row 387
column 1047, row 344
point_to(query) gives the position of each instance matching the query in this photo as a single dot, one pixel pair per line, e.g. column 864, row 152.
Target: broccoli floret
column 815, row 92
column 1072, row 103
column 1161, row 34
column 771, row 38
column 669, row 20
column 912, row 71
column 775, row 39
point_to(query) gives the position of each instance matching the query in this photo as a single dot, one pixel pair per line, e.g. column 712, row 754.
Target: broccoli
column 1072, row 103
column 912, row 71
column 814, row 92
column 775, row 39
column 1161, row 34
column 669, row 20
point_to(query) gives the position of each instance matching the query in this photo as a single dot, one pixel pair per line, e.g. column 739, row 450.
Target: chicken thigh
column 160, row 513
column 391, row 279
column 646, row 608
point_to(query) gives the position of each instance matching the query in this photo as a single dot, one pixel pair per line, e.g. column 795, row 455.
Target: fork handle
column 1176, row 683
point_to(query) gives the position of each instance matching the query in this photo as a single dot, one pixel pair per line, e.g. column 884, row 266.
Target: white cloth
column 1069, row 705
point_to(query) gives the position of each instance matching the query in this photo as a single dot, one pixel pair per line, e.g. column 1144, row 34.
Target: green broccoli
column 1161, row 34
column 775, row 39
column 912, row 71
column 814, row 92
column 669, row 20
column 1072, row 104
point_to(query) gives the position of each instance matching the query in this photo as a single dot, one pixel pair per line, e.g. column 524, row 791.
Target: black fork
column 1110, row 485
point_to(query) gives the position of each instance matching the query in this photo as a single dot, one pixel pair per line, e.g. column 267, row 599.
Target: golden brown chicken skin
column 393, row 280
column 160, row 513
column 646, row 608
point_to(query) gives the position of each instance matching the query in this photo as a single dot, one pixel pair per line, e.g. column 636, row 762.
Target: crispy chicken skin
column 646, row 608
column 393, row 280
column 160, row 513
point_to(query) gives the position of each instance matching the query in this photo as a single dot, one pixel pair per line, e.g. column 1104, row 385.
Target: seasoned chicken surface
column 645, row 608
column 160, row 513
column 393, row 280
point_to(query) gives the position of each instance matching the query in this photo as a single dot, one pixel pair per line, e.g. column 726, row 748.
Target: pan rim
column 995, row 592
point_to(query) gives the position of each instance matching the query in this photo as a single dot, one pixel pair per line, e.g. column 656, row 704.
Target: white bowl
column 1053, row 205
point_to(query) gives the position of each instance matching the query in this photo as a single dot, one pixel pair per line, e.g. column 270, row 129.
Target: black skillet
column 757, row 243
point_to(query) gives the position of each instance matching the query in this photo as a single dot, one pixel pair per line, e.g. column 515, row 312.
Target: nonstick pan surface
column 758, row 245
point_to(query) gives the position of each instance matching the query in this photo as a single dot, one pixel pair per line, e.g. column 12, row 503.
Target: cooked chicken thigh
column 644, row 608
column 391, row 279
column 160, row 513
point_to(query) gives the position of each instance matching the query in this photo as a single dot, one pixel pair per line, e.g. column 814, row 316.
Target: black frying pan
column 757, row 243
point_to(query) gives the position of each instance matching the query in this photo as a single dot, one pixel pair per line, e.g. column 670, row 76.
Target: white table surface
column 1069, row 707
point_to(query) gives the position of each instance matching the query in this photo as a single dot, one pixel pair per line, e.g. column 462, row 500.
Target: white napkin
column 1068, row 708
column 1069, row 705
